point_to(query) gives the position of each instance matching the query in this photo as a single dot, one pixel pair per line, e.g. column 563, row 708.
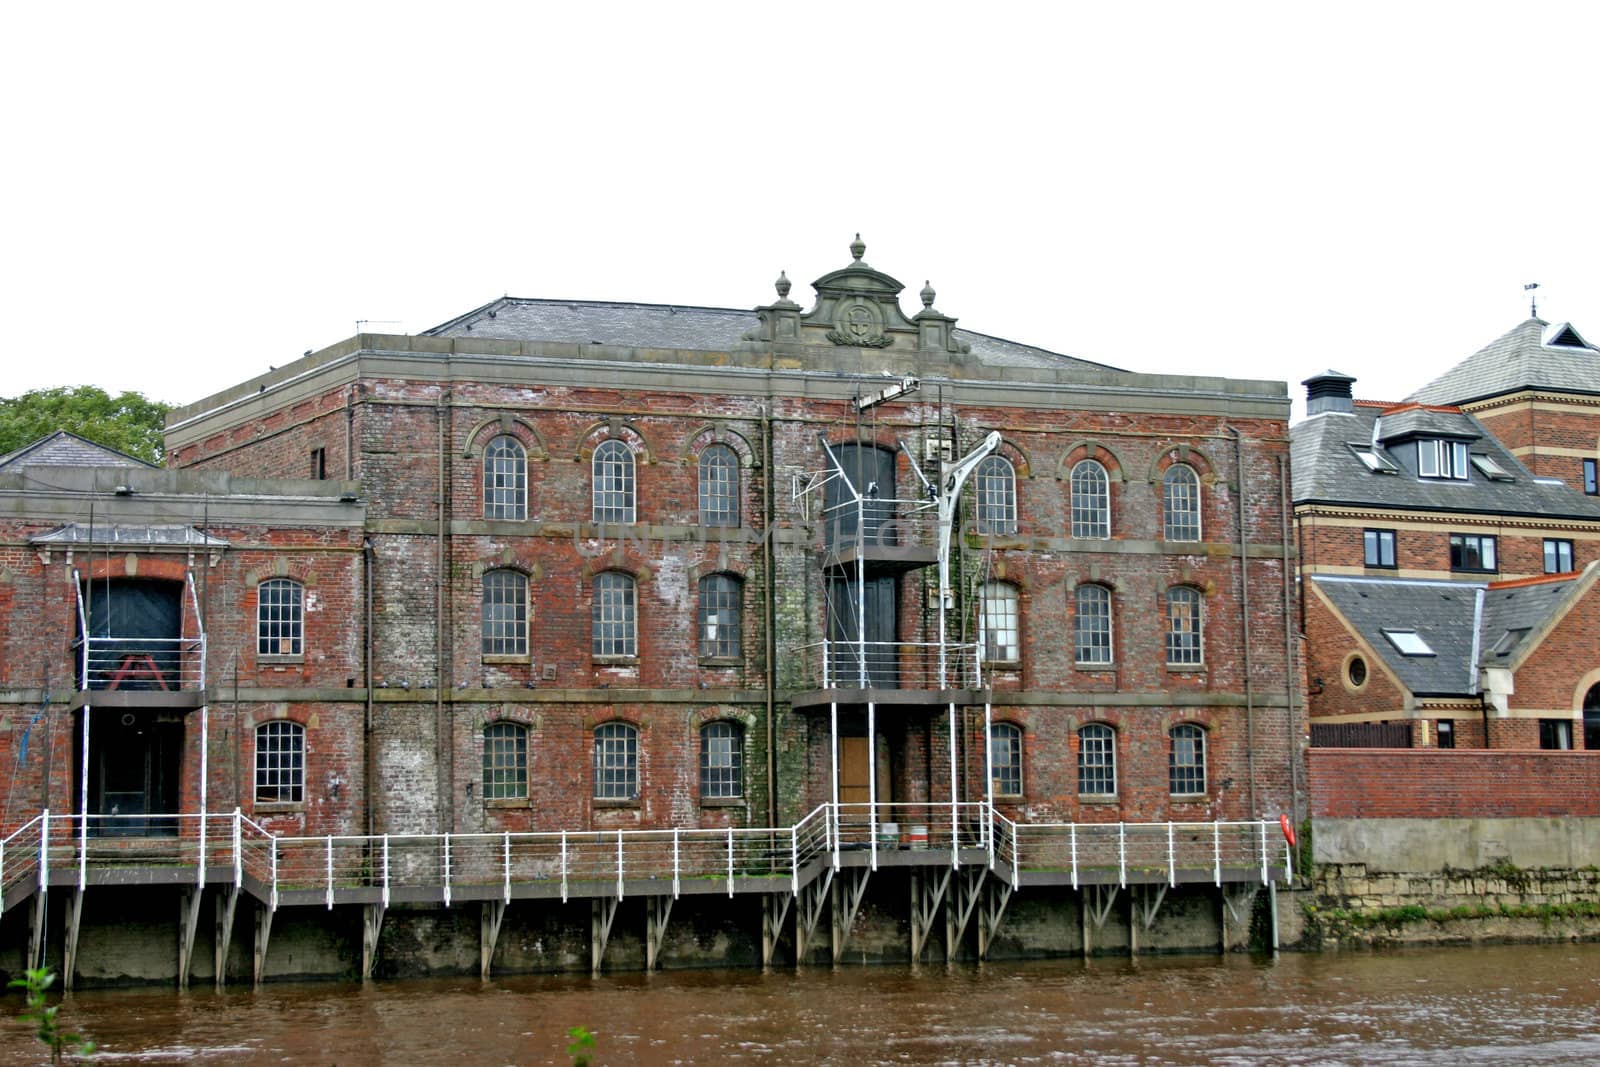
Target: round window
column 1357, row 671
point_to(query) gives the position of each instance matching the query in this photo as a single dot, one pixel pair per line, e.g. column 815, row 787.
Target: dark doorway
column 871, row 471
column 134, row 767
column 135, row 633
column 1591, row 719
column 878, row 627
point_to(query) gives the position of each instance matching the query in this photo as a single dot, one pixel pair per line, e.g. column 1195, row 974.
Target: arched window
column 616, row 762
column 1180, row 503
column 505, row 613
column 719, row 486
column 995, row 483
column 505, row 479
column 280, row 618
column 1186, row 760
column 1005, row 759
column 280, row 762
column 1184, row 646
column 721, row 761
column 1097, row 760
column 998, row 630
column 505, row 761
column 614, row 628
column 1591, row 719
column 721, row 597
column 1091, row 625
column 1091, row 501
column 613, row 482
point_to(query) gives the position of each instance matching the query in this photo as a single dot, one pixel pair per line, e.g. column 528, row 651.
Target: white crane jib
column 949, row 497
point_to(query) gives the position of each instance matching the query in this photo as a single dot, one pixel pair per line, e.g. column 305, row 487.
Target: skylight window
column 1489, row 468
column 1408, row 642
column 1372, row 460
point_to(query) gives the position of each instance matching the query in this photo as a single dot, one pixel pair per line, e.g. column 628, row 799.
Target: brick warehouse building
column 608, row 566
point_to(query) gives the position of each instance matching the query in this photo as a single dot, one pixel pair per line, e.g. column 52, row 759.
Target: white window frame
column 1091, row 501
column 1180, row 503
column 995, row 483
column 614, row 486
column 505, row 480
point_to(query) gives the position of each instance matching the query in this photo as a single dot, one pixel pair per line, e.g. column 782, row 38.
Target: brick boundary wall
column 1354, row 783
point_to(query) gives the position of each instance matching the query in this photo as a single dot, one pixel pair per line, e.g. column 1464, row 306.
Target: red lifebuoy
column 1288, row 830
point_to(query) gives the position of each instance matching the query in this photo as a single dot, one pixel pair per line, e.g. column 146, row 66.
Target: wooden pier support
column 996, row 895
column 227, row 905
column 657, row 910
column 188, row 925
column 74, row 925
column 965, row 893
column 774, row 910
column 808, row 913
column 847, row 894
column 490, row 916
column 1095, row 905
column 602, row 911
column 371, row 927
column 927, row 893
column 1233, row 911
column 263, row 935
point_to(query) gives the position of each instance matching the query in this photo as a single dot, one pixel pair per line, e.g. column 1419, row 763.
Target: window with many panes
column 1091, row 500
column 720, row 606
column 721, row 761
column 613, row 626
column 1091, row 625
column 280, row 620
column 1557, row 555
column 280, row 762
column 1180, row 500
column 1097, row 760
column 613, row 482
column 616, row 762
column 1377, row 548
column 995, row 483
column 1472, row 552
column 1005, row 758
column 505, row 761
column 1437, row 458
column 1184, row 644
column 505, row 479
column 998, row 623
column 1186, row 760
column 719, row 486
column 505, row 613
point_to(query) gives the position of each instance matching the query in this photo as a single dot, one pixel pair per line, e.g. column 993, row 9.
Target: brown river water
column 1459, row 1006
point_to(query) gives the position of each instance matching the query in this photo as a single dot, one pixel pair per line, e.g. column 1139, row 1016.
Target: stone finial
column 927, row 295
column 782, row 285
column 858, row 248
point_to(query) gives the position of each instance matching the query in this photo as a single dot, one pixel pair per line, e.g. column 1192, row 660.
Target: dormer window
column 1438, row 458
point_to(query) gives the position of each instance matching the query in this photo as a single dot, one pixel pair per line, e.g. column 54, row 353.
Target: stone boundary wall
column 1367, row 783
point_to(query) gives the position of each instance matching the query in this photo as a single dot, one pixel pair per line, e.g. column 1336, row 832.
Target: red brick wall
column 1358, row 783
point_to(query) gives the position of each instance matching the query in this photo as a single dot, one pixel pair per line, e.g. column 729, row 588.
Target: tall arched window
column 998, row 623
column 1091, row 625
column 1180, row 503
column 614, row 630
column 505, row 479
column 1184, row 645
column 719, row 486
column 280, row 762
column 1097, row 760
column 280, row 619
column 505, row 613
column 1591, row 719
column 613, row 482
column 505, row 761
column 616, row 762
column 1091, row 501
column 995, row 483
column 1005, row 759
column 721, row 601
column 721, row 761
column 1186, row 760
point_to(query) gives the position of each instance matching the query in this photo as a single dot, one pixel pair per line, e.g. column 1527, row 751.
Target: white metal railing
column 888, row 665
column 230, row 846
column 112, row 661
column 867, row 525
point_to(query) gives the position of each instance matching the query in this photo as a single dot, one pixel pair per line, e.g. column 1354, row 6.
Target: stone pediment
column 857, row 307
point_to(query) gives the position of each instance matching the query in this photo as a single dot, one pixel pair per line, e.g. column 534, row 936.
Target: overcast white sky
column 197, row 191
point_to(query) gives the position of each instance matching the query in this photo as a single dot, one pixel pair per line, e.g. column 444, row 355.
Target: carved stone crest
column 858, row 324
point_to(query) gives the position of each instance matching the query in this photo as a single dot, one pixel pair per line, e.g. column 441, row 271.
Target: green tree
column 42, row 1017
column 128, row 423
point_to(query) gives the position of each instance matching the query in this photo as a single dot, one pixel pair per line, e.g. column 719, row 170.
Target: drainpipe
column 1288, row 641
column 369, row 793
column 771, row 611
column 1244, row 618
column 443, row 739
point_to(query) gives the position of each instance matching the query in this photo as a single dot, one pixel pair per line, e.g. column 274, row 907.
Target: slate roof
column 1326, row 470
column 66, row 449
column 1518, row 606
column 1519, row 359
column 1442, row 613
column 712, row 329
